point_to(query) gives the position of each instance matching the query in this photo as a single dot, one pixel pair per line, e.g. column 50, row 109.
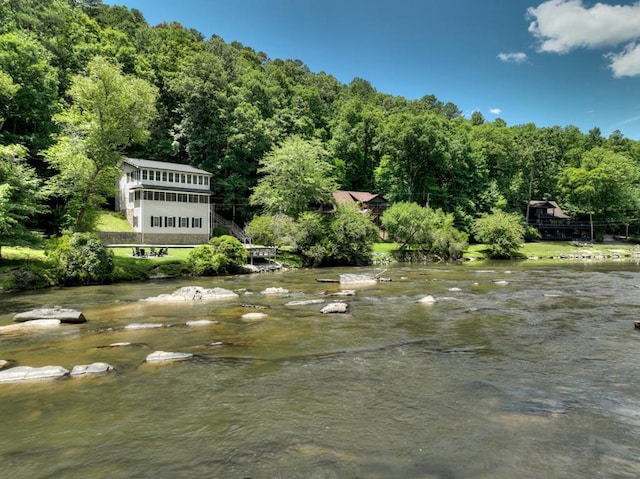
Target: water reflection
column 522, row 372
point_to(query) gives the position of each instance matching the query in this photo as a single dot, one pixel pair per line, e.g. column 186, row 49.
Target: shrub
column 502, row 232
column 80, row 258
column 223, row 254
column 204, row 261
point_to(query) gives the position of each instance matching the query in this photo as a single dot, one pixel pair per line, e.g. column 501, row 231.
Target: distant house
column 165, row 203
column 371, row 203
column 553, row 224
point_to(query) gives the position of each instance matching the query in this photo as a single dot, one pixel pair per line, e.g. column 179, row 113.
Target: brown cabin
column 553, row 224
column 371, row 203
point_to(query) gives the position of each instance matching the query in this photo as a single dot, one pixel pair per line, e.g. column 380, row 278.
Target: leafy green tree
column 351, row 236
column 295, row 176
column 109, row 111
column 604, row 184
column 272, row 230
column 423, row 229
column 28, row 109
column 80, row 258
column 312, row 241
column 501, row 232
column 20, row 199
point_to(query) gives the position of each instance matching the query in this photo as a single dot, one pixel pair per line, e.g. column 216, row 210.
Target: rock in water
column 427, row 300
column 335, row 308
column 160, row 356
column 28, row 373
column 64, row 315
column 194, row 293
column 93, row 368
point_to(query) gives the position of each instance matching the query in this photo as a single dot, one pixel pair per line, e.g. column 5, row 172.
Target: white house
column 165, row 203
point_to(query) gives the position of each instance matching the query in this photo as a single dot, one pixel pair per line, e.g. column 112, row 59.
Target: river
column 518, row 370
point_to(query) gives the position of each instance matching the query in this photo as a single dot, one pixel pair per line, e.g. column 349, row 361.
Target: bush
column 204, row 261
column 80, row 258
column 502, row 232
column 223, row 254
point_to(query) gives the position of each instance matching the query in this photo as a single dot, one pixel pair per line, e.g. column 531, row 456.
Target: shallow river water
column 516, row 371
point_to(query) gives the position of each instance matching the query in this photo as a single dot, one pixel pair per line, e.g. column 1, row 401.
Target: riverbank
column 20, row 267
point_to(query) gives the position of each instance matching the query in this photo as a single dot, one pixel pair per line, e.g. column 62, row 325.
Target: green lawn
column 110, row 221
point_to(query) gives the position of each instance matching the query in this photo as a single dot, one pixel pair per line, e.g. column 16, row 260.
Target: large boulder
column 28, row 373
column 194, row 293
column 64, row 315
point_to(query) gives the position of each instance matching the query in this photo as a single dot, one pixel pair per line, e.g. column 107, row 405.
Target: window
column 157, row 176
column 158, row 195
column 144, row 174
column 193, row 198
column 169, row 221
column 164, row 176
column 148, row 195
column 196, row 222
column 199, row 180
column 170, row 177
column 182, row 197
column 206, row 180
column 204, row 199
column 189, row 179
column 137, row 195
column 156, row 221
column 183, row 222
column 172, row 197
column 183, row 178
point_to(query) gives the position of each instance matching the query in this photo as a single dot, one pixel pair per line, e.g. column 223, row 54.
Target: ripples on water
column 520, row 373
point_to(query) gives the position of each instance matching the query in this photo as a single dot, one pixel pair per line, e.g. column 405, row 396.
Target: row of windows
column 166, row 196
column 173, row 222
column 167, row 177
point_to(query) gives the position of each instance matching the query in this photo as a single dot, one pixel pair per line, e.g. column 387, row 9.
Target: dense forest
column 223, row 107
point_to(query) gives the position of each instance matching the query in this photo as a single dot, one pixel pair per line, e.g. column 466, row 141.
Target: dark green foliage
column 80, row 258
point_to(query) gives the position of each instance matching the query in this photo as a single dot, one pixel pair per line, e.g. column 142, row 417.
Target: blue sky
column 554, row 62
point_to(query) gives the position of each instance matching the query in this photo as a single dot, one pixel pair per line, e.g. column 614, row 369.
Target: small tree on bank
column 501, row 232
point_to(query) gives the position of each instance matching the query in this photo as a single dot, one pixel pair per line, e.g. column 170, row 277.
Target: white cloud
column 625, row 63
column 564, row 25
column 517, row 57
column 495, row 111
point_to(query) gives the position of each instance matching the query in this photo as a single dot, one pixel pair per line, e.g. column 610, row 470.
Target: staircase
column 231, row 227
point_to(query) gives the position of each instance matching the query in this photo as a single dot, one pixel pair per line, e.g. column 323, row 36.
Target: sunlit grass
column 110, row 221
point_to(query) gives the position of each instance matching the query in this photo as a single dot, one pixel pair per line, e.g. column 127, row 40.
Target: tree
column 351, row 236
column 109, row 112
column 223, row 254
column 604, row 184
column 20, row 199
column 81, row 258
column 295, row 176
column 501, row 232
column 430, row 232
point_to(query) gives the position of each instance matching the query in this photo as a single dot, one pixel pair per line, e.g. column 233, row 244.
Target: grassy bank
column 15, row 261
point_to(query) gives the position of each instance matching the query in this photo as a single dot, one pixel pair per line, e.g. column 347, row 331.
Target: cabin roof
column 342, row 196
column 545, row 204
